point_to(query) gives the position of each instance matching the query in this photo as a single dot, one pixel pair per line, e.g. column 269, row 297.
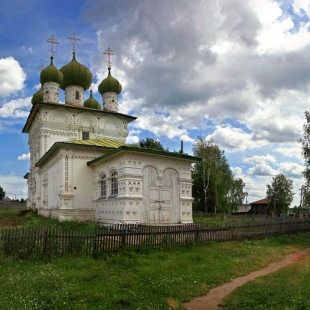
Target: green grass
column 30, row 218
column 288, row 289
column 147, row 280
column 159, row 279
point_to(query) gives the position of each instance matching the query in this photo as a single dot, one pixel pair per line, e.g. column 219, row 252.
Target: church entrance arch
column 160, row 196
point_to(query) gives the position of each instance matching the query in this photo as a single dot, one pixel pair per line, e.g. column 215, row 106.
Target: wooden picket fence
column 52, row 241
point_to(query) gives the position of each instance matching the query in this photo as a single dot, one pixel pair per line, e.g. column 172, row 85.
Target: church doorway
column 161, row 196
column 159, row 205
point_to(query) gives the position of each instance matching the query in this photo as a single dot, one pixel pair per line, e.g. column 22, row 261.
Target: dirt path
column 216, row 295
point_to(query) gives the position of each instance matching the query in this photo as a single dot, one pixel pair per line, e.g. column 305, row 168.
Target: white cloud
column 262, row 170
column 132, row 138
column 234, row 139
column 275, row 35
column 14, row 185
column 29, row 49
column 240, row 76
column 260, row 159
column 301, row 5
column 160, row 124
column 237, row 172
column 16, row 108
column 291, row 151
column 24, row 157
column 12, row 76
column 291, row 170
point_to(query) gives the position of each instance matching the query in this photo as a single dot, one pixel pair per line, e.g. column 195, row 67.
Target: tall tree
column 305, row 144
column 236, row 193
column 212, row 177
column 151, row 144
column 304, row 198
column 2, row 193
column 280, row 194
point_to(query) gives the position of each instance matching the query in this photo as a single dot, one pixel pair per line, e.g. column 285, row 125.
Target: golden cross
column 52, row 41
column 108, row 52
column 73, row 39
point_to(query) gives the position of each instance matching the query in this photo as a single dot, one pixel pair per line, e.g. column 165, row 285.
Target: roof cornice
column 137, row 149
column 37, row 105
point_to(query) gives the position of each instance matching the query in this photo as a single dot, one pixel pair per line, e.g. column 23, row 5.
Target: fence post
column 196, row 234
column 123, row 240
column 45, row 241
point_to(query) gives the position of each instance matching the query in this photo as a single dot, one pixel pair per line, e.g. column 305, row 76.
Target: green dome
column 92, row 102
column 38, row 96
column 110, row 84
column 75, row 74
column 51, row 74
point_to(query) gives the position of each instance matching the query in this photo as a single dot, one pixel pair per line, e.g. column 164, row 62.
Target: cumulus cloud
column 262, row 170
column 234, row 139
column 10, row 183
column 160, row 124
column 291, row 151
column 12, row 76
column 229, row 66
column 260, row 159
column 16, row 108
column 24, row 156
column 291, row 170
column 240, row 76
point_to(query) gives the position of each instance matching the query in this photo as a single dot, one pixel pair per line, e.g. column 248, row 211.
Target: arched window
column 103, row 186
column 114, row 183
column 77, row 95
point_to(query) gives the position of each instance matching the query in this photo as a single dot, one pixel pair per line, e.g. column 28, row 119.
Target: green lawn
column 149, row 280
column 289, row 288
column 159, row 279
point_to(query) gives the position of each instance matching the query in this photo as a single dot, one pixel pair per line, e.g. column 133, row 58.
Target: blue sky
column 234, row 71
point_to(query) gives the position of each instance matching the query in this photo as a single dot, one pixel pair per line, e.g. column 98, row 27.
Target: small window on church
column 77, row 95
column 103, row 186
column 114, row 184
column 85, row 135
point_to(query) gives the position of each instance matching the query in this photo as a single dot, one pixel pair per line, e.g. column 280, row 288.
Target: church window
column 103, row 186
column 85, row 135
column 114, row 184
column 77, row 95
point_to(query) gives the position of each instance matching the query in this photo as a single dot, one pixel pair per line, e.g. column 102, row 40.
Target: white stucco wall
column 130, row 206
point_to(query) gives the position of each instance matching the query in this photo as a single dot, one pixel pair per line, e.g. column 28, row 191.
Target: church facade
column 81, row 167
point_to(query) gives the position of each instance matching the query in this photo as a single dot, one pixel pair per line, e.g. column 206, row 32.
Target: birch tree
column 212, row 177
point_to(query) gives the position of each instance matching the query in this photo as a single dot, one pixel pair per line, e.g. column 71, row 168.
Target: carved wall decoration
column 59, row 116
column 86, row 119
column 111, row 123
column 66, row 172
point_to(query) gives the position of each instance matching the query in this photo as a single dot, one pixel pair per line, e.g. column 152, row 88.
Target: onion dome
column 109, row 84
column 38, row 96
column 92, row 103
column 51, row 74
column 75, row 74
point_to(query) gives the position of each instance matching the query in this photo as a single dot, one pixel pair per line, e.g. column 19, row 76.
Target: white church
column 81, row 167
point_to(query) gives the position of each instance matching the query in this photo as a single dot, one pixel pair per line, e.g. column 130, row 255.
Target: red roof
column 260, row 202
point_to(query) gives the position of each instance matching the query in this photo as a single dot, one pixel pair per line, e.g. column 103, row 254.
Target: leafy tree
column 236, row 193
column 151, row 144
column 280, row 194
column 304, row 206
column 305, row 143
column 2, row 193
column 212, row 177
